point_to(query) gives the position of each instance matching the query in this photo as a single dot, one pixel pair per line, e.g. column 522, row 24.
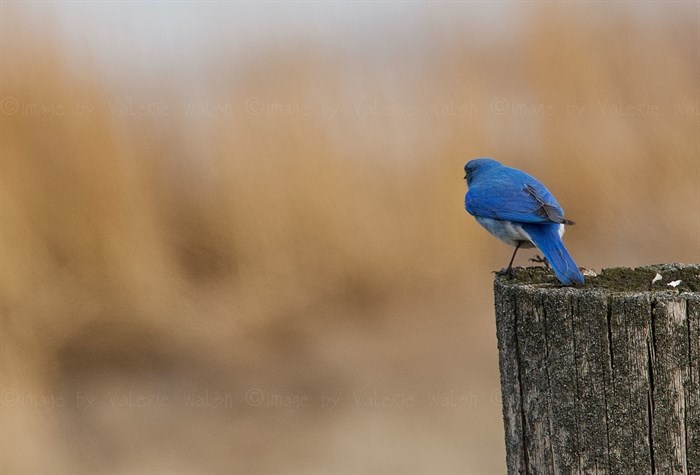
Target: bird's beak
column 465, row 176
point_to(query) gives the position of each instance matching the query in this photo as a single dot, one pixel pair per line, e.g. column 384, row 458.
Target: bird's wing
column 514, row 196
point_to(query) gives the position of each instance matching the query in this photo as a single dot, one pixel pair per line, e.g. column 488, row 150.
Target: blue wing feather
column 509, row 194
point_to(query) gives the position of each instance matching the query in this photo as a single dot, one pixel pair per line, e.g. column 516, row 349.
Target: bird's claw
column 508, row 272
column 540, row 260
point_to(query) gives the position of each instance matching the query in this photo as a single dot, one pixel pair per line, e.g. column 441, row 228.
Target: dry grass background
column 272, row 272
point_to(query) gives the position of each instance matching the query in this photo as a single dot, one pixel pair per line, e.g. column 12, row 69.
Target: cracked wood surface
column 597, row 379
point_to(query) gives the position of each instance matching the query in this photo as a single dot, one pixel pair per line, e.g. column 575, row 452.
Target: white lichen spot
column 675, row 283
column 656, row 278
column 588, row 272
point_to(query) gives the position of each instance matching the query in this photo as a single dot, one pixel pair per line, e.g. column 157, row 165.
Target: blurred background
column 233, row 235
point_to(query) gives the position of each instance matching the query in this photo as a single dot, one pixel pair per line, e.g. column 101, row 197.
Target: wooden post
column 602, row 378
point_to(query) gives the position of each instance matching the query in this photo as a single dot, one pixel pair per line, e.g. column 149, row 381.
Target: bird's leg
column 510, row 264
column 509, row 271
column 540, row 260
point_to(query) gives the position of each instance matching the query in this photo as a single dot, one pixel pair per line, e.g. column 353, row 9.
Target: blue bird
column 520, row 211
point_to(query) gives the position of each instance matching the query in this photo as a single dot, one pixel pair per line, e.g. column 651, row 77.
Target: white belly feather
column 509, row 232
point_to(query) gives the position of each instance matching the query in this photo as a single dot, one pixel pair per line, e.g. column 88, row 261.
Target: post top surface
column 678, row 277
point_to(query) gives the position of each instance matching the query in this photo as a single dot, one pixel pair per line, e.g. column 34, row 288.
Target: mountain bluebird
column 520, row 211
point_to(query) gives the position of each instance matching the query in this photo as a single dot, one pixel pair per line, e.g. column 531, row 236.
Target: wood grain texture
column 600, row 378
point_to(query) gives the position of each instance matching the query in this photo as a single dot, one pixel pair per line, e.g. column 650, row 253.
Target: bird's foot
column 540, row 260
column 508, row 272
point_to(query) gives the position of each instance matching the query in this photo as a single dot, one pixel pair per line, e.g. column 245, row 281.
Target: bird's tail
column 546, row 238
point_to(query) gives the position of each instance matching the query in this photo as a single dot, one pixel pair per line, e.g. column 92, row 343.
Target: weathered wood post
column 603, row 378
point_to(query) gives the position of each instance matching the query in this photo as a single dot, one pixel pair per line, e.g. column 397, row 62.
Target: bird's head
column 477, row 166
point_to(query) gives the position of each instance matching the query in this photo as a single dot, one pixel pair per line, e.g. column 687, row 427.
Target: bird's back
column 501, row 192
